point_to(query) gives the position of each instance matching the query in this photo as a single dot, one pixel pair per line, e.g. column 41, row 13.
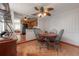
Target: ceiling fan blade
column 35, row 14
column 49, row 9
column 41, row 9
column 48, row 14
column 36, row 8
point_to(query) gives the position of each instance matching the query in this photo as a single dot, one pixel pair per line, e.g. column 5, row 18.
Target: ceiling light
column 44, row 14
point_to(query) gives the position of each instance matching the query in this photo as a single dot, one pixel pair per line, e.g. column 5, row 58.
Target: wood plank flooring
column 32, row 49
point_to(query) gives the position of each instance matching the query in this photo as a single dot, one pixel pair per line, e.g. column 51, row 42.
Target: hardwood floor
column 32, row 49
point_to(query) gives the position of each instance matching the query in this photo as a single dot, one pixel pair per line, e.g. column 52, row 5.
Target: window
column 17, row 24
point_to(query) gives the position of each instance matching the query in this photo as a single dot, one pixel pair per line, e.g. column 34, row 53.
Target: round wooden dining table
column 50, row 36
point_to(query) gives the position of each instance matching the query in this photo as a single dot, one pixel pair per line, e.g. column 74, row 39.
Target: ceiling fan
column 43, row 11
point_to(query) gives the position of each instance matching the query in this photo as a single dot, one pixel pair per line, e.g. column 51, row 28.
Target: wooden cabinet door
column 8, row 48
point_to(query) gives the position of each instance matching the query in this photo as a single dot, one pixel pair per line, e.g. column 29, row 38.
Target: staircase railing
column 11, row 32
column 8, row 25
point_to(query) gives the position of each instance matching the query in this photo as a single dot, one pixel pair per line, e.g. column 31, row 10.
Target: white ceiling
column 28, row 8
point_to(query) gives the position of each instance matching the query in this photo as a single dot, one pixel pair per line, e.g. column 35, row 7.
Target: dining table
column 49, row 36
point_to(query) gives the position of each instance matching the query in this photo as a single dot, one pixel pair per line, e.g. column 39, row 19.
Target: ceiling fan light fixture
column 44, row 14
column 40, row 15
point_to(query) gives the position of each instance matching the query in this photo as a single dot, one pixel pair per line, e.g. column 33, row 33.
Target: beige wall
column 67, row 20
